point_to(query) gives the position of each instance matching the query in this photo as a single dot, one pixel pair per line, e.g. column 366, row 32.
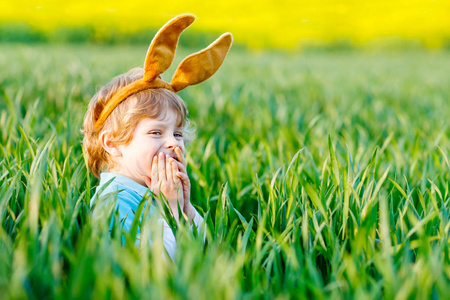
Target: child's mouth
column 174, row 157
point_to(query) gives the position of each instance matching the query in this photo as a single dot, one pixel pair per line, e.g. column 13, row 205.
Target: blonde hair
column 151, row 103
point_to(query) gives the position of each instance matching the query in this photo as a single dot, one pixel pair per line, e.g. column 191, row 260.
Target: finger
column 162, row 167
column 183, row 177
column 147, row 180
column 169, row 173
column 181, row 149
column 174, row 170
column 181, row 167
column 154, row 171
column 180, row 155
column 185, row 184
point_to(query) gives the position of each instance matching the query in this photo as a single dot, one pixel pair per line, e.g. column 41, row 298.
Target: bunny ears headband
column 193, row 69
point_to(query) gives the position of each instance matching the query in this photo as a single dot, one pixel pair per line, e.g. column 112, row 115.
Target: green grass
column 319, row 175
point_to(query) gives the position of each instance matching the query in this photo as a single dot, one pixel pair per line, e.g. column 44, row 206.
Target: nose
column 171, row 142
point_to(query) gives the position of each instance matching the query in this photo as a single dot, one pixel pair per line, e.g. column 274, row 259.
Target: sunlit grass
column 322, row 175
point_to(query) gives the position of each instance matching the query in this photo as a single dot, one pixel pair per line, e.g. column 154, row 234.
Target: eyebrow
column 162, row 124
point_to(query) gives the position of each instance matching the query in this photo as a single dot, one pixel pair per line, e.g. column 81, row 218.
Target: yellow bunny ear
column 161, row 52
column 200, row 66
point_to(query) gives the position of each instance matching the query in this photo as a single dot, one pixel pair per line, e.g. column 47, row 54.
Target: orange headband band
column 193, row 69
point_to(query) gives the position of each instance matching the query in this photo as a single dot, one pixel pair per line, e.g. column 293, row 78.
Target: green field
column 319, row 174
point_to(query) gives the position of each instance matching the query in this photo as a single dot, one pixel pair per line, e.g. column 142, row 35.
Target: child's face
column 150, row 137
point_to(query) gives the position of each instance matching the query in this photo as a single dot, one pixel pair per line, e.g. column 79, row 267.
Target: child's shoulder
column 116, row 186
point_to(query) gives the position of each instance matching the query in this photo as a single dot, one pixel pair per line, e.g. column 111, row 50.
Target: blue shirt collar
column 125, row 181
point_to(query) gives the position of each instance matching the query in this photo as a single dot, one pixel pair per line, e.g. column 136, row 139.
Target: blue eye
column 178, row 134
column 155, row 132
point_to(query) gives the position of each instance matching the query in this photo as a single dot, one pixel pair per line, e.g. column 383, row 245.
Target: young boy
column 136, row 126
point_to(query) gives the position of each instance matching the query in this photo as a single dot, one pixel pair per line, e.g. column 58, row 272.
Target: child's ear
column 108, row 144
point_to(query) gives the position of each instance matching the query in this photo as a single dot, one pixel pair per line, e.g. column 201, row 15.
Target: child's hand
column 188, row 209
column 164, row 179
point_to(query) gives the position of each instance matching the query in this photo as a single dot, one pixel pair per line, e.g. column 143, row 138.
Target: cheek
column 153, row 153
column 181, row 145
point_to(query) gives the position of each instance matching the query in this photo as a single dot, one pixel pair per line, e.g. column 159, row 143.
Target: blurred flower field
column 286, row 24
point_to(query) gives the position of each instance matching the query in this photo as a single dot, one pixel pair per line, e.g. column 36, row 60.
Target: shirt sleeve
column 112, row 199
column 199, row 223
column 168, row 238
column 126, row 210
column 197, row 219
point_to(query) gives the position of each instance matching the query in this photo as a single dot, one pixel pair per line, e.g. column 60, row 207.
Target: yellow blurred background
column 256, row 23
